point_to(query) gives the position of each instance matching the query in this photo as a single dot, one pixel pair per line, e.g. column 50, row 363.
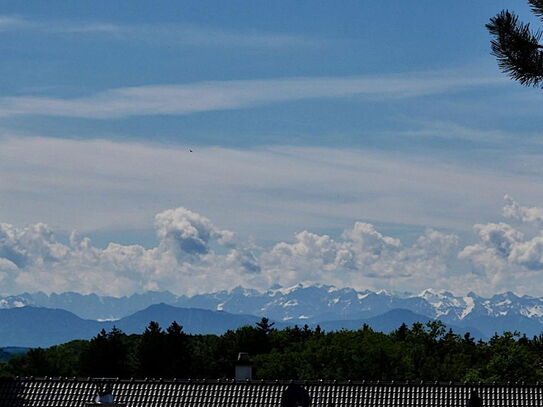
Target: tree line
column 421, row 352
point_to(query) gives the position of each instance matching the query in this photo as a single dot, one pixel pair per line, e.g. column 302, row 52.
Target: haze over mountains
column 330, row 307
column 44, row 327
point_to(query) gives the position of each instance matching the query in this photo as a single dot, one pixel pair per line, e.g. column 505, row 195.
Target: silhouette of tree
column 152, row 353
column 179, row 363
column 38, row 363
column 468, row 339
column 365, row 327
column 106, row 355
column 265, row 326
column 516, row 46
column 402, row 332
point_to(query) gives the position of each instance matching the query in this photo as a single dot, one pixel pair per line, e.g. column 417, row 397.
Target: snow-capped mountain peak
column 303, row 303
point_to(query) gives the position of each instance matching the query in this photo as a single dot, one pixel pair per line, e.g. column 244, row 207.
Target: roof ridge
column 268, row 382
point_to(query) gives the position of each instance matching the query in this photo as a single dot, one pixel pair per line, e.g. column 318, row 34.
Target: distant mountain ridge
column 44, row 327
column 91, row 306
column 314, row 304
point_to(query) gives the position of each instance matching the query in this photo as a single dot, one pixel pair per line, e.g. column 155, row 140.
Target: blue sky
column 302, row 116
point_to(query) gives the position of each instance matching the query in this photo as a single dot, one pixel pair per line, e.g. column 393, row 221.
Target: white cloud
column 237, row 94
column 18, row 23
column 496, row 243
column 185, row 260
column 8, row 23
column 509, row 256
column 452, row 131
column 163, row 34
column 192, row 35
column 269, row 193
column 186, row 232
column 31, row 258
column 525, row 214
column 362, row 257
column 33, row 245
column 193, row 255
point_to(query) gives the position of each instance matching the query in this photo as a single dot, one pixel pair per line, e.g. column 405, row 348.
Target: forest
column 421, row 352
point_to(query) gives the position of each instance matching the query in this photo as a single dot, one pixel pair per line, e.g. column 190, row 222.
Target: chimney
column 244, row 367
column 104, row 397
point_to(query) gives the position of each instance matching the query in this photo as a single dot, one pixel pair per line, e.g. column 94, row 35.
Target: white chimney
column 104, row 397
column 244, row 367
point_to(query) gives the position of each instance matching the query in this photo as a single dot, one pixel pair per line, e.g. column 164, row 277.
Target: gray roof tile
column 64, row 392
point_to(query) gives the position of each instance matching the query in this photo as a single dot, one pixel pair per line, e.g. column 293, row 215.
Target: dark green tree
column 265, row 326
column 179, row 363
column 402, row 332
column 36, row 363
column 516, row 46
column 511, row 360
column 106, row 356
column 152, row 353
column 420, row 352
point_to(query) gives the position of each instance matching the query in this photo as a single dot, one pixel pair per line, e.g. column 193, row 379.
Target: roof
column 66, row 392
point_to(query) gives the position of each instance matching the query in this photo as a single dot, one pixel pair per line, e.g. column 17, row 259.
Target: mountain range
column 44, row 327
column 332, row 308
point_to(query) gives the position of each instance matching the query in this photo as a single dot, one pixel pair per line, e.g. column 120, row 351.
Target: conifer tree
column 152, row 353
column 106, row 355
column 265, row 326
column 179, row 352
column 516, row 46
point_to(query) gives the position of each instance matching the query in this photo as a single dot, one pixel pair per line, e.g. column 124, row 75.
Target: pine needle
column 517, row 48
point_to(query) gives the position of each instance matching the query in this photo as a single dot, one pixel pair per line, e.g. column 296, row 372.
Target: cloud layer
column 236, row 94
column 194, row 255
column 284, row 197
column 184, row 260
column 270, row 193
column 510, row 253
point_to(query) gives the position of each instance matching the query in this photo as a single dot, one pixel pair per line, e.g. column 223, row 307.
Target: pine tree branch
column 537, row 7
column 517, row 48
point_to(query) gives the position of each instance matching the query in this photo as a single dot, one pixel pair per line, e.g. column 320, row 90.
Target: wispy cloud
column 8, row 23
column 258, row 191
column 192, row 35
column 451, row 130
column 166, row 34
column 17, row 23
column 237, row 94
